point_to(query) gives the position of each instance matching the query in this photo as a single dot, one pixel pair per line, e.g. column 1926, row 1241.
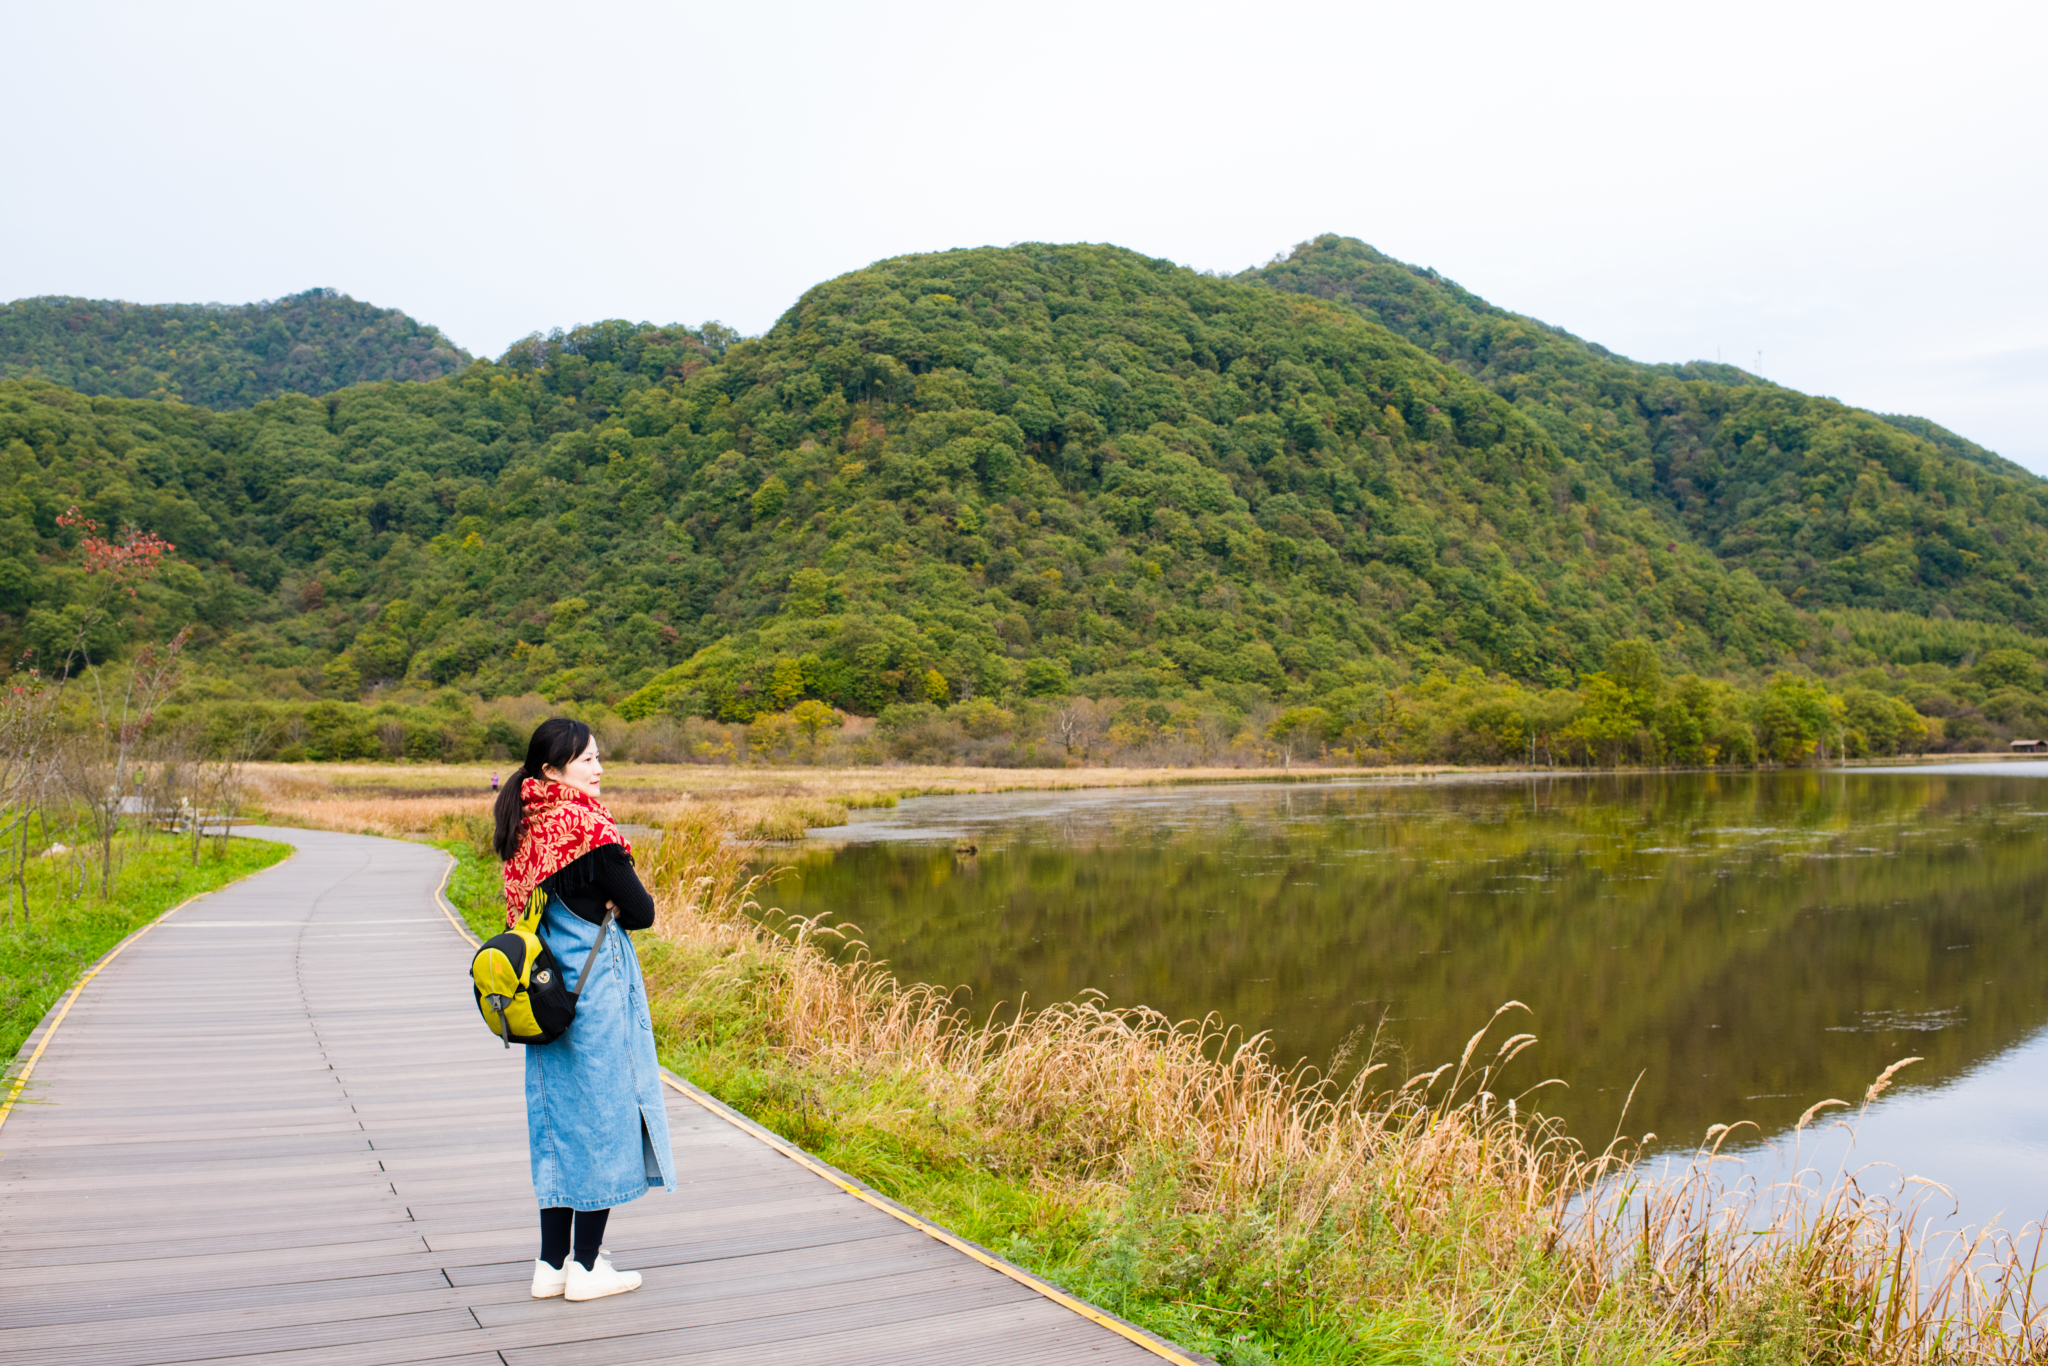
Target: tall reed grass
column 770, row 812
column 1426, row 1217
column 754, row 802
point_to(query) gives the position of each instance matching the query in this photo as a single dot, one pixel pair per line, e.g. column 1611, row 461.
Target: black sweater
column 604, row 874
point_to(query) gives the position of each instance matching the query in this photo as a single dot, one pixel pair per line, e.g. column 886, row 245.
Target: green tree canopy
column 1022, row 472
column 219, row 356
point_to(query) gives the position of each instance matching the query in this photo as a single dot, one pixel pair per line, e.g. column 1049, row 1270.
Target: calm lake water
column 1733, row 947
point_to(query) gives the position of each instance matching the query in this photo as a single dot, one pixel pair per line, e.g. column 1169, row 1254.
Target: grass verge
column 69, row 927
column 1173, row 1174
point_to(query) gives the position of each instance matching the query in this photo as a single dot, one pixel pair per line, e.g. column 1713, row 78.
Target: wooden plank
column 753, row 1317
column 735, row 1244
column 329, row 1228
column 448, row 1226
column 172, row 1313
column 96, row 1110
column 148, row 1348
column 172, row 1175
column 1055, row 1336
column 333, row 1228
column 301, row 1072
column 696, row 1189
column 900, row 1315
column 685, row 1288
column 485, row 1215
column 74, row 1301
column 513, row 1229
column 95, row 1222
column 1000, row 1334
column 691, row 1174
column 247, row 1268
column 49, row 1142
column 76, row 1156
column 446, row 1350
column 65, row 1158
column 100, row 1071
column 671, row 1298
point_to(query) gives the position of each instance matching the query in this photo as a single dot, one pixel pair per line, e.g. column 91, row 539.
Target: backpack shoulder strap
column 536, row 903
column 583, row 977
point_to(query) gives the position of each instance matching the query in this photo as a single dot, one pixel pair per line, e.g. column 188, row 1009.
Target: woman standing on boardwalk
column 595, row 1119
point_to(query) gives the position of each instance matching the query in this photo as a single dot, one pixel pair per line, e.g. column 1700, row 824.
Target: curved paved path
column 273, row 1131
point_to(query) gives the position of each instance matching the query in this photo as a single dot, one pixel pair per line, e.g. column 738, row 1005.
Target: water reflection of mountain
column 1747, row 943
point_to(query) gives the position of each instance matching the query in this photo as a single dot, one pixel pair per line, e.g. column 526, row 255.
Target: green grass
column 477, row 887
column 1210, row 1284
column 69, row 926
column 942, row 1174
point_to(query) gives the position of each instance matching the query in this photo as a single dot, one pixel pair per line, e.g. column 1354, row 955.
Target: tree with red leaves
column 135, row 555
column 96, row 757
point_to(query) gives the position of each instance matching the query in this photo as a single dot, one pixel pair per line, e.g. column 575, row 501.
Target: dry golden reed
column 368, row 800
column 1439, row 1197
column 754, row 802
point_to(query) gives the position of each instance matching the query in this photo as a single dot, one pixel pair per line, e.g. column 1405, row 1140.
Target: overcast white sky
column 1855, row 191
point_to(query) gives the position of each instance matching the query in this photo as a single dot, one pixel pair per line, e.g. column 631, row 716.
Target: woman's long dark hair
column 557, row 742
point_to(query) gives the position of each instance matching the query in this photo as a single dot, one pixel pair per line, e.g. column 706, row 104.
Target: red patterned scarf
column 558, row 825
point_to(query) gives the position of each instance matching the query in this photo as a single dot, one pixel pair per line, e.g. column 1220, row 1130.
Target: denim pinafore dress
column 596, row 1123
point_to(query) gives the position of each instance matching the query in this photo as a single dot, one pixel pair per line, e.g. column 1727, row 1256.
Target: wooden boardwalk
column 271, row 1130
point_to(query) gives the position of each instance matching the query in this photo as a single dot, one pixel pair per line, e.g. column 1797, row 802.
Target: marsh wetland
column 1725, row 947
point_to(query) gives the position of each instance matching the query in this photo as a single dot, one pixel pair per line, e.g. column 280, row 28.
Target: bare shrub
column 28, row 712
column 1078, row 727
column 221, row 783
column 100, row 755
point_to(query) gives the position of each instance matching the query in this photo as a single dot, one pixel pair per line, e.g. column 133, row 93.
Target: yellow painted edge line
column 895, row 1211
column 71, row 998
column 447, row 906
column 890, row 1208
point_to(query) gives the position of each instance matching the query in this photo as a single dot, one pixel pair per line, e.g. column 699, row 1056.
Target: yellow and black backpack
column 519, row 987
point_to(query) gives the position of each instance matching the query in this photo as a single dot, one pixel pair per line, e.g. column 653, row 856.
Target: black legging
column 554, row 1235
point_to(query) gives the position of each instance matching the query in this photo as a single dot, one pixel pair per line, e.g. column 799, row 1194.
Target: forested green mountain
column 1829, row 504
column 218, row 356
column 1007, row 472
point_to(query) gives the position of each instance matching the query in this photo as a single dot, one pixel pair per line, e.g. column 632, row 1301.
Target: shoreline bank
column 781, row 805
column 1250, row 1212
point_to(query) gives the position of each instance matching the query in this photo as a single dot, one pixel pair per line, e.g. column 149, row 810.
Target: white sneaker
column 547, row 1281
column 599, row 1281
